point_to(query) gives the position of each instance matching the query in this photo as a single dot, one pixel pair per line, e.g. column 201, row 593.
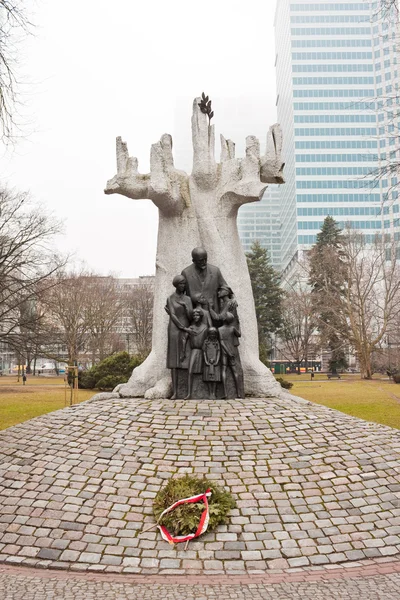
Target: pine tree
column 330, row 234
column 268, row 295
column 328, row 283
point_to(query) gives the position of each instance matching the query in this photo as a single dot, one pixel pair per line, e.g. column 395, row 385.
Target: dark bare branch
column 14, row 25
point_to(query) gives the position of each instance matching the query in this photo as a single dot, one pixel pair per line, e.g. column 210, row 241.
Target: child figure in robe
column 200, row 301
column 197, row 336
column 229, row 338
column 212, row 354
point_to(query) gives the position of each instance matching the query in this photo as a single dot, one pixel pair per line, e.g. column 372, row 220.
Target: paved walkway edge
column 349, row 571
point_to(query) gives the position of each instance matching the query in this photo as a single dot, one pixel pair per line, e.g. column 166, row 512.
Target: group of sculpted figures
column 204, row 328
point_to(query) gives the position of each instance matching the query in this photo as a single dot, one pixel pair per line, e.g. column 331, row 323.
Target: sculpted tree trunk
column 200, row 210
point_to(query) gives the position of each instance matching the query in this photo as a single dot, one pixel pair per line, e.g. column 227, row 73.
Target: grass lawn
column 40, row 395
column 377, row 400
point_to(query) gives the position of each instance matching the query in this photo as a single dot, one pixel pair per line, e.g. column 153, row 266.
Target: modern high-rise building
column 261, row 221
column 337, row 102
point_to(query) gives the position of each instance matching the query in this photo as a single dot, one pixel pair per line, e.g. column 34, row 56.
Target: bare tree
column 372, row 299
column 369, row 306
column 82, row 311
column 388, row 9
column 13, row 23
column 386, row 14
column 103, row 310
column 297, row 336
column 28, row 264
column 139, row 310
column 66, row 308
column 28, row 338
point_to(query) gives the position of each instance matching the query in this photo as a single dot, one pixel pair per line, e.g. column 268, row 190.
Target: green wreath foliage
column 185, row 518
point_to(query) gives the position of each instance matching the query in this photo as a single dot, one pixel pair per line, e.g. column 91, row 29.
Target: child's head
column 197, row 298
column 223, row 291
column 197, row 315
column 212, row 333
column 229, row 318
column 179, row 282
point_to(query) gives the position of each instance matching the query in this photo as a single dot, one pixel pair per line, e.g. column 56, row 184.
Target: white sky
column 96, row 69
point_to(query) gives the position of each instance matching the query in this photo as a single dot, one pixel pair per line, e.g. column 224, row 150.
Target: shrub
column 185, row 519
column 86, row 380
column 284, row 383
column 338, row 364
column 110, row 382
column 396, row 377
column 110, row 372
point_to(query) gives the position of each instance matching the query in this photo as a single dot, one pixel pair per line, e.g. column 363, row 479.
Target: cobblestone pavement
column 313, row 486
column 16, row 585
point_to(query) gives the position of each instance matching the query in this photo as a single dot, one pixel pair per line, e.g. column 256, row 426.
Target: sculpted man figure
column 203, row 278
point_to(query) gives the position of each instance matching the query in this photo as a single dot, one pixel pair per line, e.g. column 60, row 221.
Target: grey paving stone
column 313, row 487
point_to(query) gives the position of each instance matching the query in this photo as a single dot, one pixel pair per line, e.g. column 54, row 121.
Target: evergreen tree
column 330, row 234
column 328, row 283
column 268, row 296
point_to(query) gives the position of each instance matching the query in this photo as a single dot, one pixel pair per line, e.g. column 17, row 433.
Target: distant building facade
column 337, row 102
column 261, row 221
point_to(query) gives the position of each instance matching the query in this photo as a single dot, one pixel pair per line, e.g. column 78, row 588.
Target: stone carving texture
column 203, row 207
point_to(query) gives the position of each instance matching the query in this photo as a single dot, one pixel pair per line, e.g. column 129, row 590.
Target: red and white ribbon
column 203, row 524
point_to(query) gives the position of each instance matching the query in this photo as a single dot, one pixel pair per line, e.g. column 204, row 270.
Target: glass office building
column 337, row 88
column 261, row 221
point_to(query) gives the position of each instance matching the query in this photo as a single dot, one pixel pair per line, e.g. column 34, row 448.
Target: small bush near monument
column 109, row 373
column 184, row 520
column 284, row 383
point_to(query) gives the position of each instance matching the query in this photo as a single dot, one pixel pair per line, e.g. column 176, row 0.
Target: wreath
column 188, row 506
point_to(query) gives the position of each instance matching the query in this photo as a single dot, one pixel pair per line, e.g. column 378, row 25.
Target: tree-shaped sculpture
column 200, row 210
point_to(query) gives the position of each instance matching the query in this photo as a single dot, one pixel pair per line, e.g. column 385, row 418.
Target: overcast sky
column 96, row 69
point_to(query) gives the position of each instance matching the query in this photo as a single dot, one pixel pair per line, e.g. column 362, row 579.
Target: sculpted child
column 212, row 355
column 200, row 301
column 229, row 338
column 226, row 303
column 197, row 335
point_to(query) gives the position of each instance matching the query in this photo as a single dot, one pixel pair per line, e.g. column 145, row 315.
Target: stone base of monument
column 313, row 487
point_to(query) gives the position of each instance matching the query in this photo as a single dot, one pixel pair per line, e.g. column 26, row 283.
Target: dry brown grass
column 376, row 400
column 40, row 395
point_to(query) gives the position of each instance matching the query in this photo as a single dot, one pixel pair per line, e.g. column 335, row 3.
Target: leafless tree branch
column 28, row 264
column 14, row 23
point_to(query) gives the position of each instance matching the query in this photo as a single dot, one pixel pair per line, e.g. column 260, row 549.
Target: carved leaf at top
column 205, row 106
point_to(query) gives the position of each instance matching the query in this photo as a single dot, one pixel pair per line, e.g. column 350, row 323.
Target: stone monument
column 203, row 208
column 203, row 343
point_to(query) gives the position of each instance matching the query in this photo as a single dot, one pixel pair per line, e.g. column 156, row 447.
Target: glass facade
column 261, row 221
column 337, row 89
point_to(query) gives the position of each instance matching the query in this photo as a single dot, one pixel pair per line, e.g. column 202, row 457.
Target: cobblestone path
column 17, row 585
column 313, row 486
